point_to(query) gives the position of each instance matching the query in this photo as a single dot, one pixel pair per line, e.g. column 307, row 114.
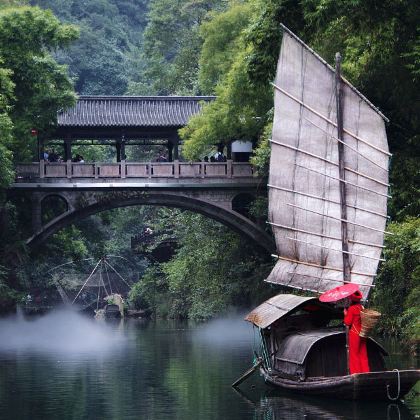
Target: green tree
column 169, row 62
column 398, row 282
column 33, row 87
column 103, row 60
column 211, row 270
column 6, row 95
column 379, row 43
column 241, row 108
column 41, row 86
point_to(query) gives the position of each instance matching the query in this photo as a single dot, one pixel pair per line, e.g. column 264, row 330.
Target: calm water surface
column 63, row 366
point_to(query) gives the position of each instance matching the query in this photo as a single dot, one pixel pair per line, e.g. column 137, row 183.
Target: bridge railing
column 34, row 171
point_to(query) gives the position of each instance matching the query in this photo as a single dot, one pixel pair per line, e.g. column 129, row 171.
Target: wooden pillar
column 170, row 154
column 175, row 144
column 123, row 155
column 67, row 149
column 40, row 152
column 229, row 151
column 118, row 147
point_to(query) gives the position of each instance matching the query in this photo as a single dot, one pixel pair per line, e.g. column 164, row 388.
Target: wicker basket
column 369, row 319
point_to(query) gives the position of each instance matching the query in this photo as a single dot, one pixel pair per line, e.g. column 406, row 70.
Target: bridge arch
column 227, row 217
column 52, row 205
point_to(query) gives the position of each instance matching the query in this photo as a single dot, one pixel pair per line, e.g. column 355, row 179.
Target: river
column 65, row 366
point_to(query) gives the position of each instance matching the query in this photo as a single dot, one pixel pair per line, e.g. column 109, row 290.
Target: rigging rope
column 109, row 281
column 399, row 387
column 84, row 284
column 264, row 351
column 102, row 279
column 117, row 273
column 97, row 301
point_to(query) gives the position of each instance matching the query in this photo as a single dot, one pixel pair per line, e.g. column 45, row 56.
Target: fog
column 60, row 331
column 229, row 331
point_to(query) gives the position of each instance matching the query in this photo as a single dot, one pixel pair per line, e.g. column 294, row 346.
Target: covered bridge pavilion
column 125, row 120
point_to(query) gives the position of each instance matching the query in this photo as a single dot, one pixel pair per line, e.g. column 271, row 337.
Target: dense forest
column 51, row 50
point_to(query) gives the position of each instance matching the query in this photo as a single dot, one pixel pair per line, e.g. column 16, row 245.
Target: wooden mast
column 341, row 170
column 342, row 175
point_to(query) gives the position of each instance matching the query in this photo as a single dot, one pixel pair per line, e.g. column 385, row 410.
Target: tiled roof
column 133, row 111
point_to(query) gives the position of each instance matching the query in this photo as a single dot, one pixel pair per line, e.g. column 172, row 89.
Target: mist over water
column 229, row 331
column 66, row 366
column 61, row 331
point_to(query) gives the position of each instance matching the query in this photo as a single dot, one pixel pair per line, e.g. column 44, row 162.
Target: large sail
column 305, row 204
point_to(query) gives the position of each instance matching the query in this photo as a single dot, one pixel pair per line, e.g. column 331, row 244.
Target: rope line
column 399, row 387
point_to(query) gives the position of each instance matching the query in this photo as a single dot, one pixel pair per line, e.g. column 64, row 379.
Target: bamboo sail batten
column 309, row 49
column 323, row 267
column 343, row 180
column 305, row 152
column 347, row 145
column 355, row 136
column 327, row 200
column 385, row 184
column 339, row 219
column 323, row 235
column 294, row 273
column 334, row 249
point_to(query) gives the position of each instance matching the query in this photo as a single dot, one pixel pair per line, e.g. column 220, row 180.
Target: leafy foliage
column 398, row 282
column 103, row 60
column 6, row 127
column 240, row 110
column 32, row 88
column 27, row 37
column 172, row 42
column 212, row 269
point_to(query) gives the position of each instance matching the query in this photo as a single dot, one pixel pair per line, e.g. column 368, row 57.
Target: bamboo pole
column 327, row 200
column 334, row 249
column 307, row 47
column 346, row 145
column 294, row 273
column 305, row 152
column 329, row 121
column 339, row 219
column 325, row 236
column 324, row 267
column 84, row 284
column 343, row 181
column 248, row 373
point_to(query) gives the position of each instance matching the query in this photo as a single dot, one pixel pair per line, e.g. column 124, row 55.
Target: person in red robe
column 358, row 357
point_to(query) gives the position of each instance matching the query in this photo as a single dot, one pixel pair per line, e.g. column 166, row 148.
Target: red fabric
column 358, row 357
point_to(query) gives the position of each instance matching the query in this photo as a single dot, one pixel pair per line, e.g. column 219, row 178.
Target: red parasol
column 339, row 292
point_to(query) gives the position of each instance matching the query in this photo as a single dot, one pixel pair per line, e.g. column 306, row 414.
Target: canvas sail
column 304, row 183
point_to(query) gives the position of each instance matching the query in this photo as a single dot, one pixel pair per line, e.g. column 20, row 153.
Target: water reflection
column 288, row 408
column 69, row 367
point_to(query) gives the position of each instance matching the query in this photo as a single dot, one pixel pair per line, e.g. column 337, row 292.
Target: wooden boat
column 328, row 190
column 302, row 352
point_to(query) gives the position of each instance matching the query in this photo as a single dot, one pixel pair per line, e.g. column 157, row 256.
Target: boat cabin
column 303, row 338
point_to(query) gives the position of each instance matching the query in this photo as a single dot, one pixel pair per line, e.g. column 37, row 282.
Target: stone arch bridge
column 215, row 190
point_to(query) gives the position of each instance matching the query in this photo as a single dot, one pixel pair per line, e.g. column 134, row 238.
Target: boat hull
column 363, row 386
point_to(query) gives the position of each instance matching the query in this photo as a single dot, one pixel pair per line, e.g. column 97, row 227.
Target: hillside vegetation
column 223, row 48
